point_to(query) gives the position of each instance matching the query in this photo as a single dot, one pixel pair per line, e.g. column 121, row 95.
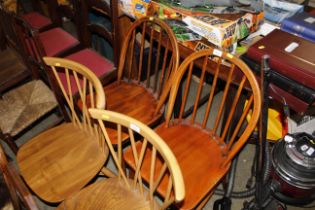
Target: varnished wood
column 122, row 192
column 62, row 160
column 19, row 193
column 203, row 149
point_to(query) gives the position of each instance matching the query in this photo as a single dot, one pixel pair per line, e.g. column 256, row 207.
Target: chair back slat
column 223, row 101
column 233, row 107
column 150, row 154
column 76, row 81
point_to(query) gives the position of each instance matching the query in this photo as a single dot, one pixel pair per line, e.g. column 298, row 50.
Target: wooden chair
column 123, row 192
column 144, row 70
column 18, row 192
column 34, row 18
column 204, row 149
column 62, row 160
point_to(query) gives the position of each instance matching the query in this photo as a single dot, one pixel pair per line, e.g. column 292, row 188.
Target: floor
column 242, row 174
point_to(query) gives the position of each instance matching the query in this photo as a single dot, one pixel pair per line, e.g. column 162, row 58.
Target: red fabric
column 99, row 65
column 56, row 41
column 36, row 20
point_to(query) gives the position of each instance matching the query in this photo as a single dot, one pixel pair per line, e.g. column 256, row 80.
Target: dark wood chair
column 123, row 192
column 104, row 26
column 204, row 148
column 20, row 195
column 62, row 160
column 16, row 67
column 149, row 56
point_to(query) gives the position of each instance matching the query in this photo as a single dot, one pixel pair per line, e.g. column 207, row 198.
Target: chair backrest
column 149, row 53
column 106, row 27
column 226, row 108
column 19, row 193
column 164, row 169
column 9, row 31
column 68, row 77
column 58, row 9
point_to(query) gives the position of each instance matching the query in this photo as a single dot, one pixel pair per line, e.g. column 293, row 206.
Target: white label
column 288, row 139
column 310, row 20
column 217, row 52
column 304, row 147
column 135, row 128
column 310, row 151
column 291, row 47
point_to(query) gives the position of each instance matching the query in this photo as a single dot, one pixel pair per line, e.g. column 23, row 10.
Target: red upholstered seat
column 56, row 41
column 91, row 59
column 36, row 20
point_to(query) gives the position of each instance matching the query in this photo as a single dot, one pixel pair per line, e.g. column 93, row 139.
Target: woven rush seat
column 22, row 106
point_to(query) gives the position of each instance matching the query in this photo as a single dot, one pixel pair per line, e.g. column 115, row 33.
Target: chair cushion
column 56, row 41
column 92, row 60
column 22, row 106
column 107, row 194
column 36, row 20
column 60, row 161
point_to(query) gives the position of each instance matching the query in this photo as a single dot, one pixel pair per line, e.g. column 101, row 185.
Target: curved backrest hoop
column 75, row 80
column 151, row 143
column 235, row 73
column 149, row 47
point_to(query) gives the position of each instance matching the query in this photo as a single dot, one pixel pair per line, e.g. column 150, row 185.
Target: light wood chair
column 18, row 192
column 140, row 192
column 148, row 58
column 62, row 160
column 204, row 150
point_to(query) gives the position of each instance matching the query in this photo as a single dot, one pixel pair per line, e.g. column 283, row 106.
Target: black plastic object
column 293, row 169
column 222, row 204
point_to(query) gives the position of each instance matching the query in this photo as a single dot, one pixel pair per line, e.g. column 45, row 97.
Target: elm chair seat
column 50, row 161
column 134, row 100
column 36, row 20
column 107, row 194
column 22, row 106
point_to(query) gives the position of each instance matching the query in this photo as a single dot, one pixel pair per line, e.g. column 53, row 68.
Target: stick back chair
column 205, row 149
column 18, row 191
column 138, row 89
column 123, row 192
column 62, row 160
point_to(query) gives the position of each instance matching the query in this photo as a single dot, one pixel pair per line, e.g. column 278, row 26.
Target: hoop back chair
column 204, row 148
column 19, row 193
column 122, row 192
column 62, row 160
column 139, row 86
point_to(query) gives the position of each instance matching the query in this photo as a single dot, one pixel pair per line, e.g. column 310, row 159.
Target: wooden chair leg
column 10, row 142
column 204, row 201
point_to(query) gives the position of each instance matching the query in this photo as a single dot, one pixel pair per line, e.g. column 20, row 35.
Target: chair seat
column 101, row 66
column 106, row 194
column 132, row 99
column 191, row 145
column 36, row 20
column 56, row 41
column 52, row 162
column 22, row 106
